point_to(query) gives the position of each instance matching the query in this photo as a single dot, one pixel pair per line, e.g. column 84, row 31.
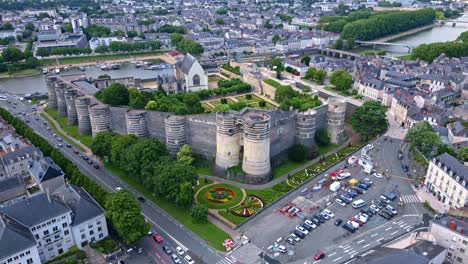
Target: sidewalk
column 424, row 195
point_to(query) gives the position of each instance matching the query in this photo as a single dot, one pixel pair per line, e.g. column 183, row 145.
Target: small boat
column 82, row 68
column 156, row 67
column 104, row 67
column 45, row 71
column 57, row 70
column 67, row 68
column 114, row 66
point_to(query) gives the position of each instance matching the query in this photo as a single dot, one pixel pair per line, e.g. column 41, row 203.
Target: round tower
column 176, row 133
column 336, row 120
column 136, row 123
column 228, row 141
column 61, row 104
column 99, row 115
column 305, row 128
column 256, row 161
column 84, row 123
column 70, row 95
column 52, row 97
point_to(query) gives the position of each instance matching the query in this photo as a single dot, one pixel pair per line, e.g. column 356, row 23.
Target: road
column 174, row 232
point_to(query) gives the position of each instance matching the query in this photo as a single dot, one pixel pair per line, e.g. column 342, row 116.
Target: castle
column 260, row 138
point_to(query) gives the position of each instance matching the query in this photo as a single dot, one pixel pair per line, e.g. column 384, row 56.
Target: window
column 36, row 236
column 48, row 223
column 29, row 261
column 53, row 220
column 22, row 255
column 99, row 229
column 65, row 224
column 459, row 259
column 196, row 80
column 55, row 228
column 57, row 236
column 91, row 232
column 464, row 242
column 462, row 250
column 28, row 252
column 101, row 235
column 83, row 236
column 48, row 240
column 33, row 229
column 66, row 232
column 10, row 260
column 46, row 232
column 93, row 239
column 60, row 251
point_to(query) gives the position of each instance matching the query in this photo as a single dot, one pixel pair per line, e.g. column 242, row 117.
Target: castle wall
column 136, row 123
column 52, row 97
column 321, row 116
column 156, row 124
column 201, row 134
column 282, row 132
column 117, row 117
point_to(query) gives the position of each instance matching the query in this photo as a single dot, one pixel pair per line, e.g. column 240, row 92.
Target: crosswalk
column 228, row 260
column 410, row 198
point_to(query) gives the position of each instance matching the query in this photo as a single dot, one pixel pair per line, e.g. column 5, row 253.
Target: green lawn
column 60, row 133
column 269, row 195
column 286, row 167
column 203, row 182
column 325, row 149
column 101, row 57
column 204, row 171
column 207, row 231
column 70, row 130
column 237, row 220
column 21, row 73
column 332, row 89
column 202, row 197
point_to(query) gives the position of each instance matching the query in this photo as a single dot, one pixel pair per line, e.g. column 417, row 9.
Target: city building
column 447, row 179
column 449, row 232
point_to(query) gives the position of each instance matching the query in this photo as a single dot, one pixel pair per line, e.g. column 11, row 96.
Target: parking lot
column 337, row 243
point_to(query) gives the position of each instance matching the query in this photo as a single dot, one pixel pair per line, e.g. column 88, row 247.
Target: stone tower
column 228, row 141
column 136, row 123
column 336, row 120
column 256, row 160
column 70, row 95
column 176, row 133
column 84, row 123
column 99, row 115
column 61, row 104
column 305, row 128
column 52, row 97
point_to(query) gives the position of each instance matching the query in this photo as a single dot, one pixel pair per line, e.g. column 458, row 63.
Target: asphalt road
column 174, row 233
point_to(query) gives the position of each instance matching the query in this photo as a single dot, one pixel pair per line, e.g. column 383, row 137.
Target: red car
column 158, row 238
column 319, row 255
column 357, row 221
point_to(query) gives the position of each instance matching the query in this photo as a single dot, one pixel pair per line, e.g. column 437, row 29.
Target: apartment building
column 23, row 250
column 447, row 178
column 449, row 232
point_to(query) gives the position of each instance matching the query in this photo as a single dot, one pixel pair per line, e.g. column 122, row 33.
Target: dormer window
column 445, row 168
column 464, row 183
column 457, row 179
column 439, row 164
column 451, row 173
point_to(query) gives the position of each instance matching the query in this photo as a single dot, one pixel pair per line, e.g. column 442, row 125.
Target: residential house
column 450, row 233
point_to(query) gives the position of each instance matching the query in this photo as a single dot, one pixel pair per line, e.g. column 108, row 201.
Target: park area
column 237, row 103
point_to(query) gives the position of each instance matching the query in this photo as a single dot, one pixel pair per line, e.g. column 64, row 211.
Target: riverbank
column 406, row 33
column 108, row 58
column 23, row 73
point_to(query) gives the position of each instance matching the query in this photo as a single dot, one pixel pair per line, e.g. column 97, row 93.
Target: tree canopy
column 342, row 80
column 423, row 137
column 115, row 94
column 369, row 119
column 185, row 155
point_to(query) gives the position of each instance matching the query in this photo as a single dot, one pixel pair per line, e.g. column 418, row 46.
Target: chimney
column 48, row 195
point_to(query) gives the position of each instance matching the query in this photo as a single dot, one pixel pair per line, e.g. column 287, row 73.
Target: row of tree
column 14, row 60
column 313, row 74
column 147, row 161
column 44, row 52
column 122, row 208
column 429, row 52
column 118, row 46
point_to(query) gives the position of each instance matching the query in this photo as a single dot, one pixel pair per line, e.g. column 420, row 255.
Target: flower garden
column 220, row 196
column 248, row 207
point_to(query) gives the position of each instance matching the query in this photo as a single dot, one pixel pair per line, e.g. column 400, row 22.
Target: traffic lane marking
column 366, row 245
column 337, row 259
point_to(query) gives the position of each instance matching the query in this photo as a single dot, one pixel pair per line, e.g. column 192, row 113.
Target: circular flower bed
column 220, row 196
column 250, row 206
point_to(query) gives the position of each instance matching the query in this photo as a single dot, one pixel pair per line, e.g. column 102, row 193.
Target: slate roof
column 454, row 165
column 22, row 211
column 45, row 170
column 186, row 64
column 10, row 183
column 80, row 202
column 18, row 154
column 14, row 237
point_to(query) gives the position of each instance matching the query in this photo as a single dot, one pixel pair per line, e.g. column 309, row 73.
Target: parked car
column 299, row 234
column 368, row 181
column 118, row 189
column 290, row 240
column 315, row 220
column 352, row 194
column 385, row 216
column 348, row 196
column 391, row 209
column 345, row 199
column 76, row 151
column 175, row 258
column 141, row 199
column 359, row 222
column 378, row 175
column 158, row 238
column 400, row 155
column 363, row 186
column 189, row 260
column 69, row 145
column 329, row 213
column 96, row 166
column 405, row 167
column 349, row 228
column 302, row 230
column 310, row 223
column 340, row 202
column 295, row 237
column 338, row 222
column 321, row 219
column 90, row 162
column 306, row 227
column 324, row 215
column 179, row 251
column 167, row 249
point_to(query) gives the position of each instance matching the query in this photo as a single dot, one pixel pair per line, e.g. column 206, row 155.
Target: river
column 437, row 34
column 31, row 84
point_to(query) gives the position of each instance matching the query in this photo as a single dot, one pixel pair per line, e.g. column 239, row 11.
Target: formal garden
column 236, row 103
column 220, row 196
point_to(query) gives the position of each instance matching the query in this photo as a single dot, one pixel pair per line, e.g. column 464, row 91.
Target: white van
column 358, row 203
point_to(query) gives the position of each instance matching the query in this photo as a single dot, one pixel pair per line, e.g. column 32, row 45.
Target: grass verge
column 21, row 73
column 270, row 195
column 286, row 167
column 207, row 231
column 237, row 220
column 58, row 132
column 70, row 130
column 204, row 171
column 325, row 149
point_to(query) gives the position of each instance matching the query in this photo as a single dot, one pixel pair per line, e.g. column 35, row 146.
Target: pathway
column 277, row 180
column 93, row 256
column 60, row 129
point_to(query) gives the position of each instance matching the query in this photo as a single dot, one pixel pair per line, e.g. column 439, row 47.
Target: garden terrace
column 235, row 70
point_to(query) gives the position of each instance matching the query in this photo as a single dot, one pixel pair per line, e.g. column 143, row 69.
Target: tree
column 297, row 153
column 262, row 103
column 321, row 137
column 104, row 76
column 310, row 73
column 176, row 38
column 67, row 27
column 320, row 76
column 185, row 195
column 185, row 155
column 415, row 131
column 342, row 80
column 339, row 44
column 423, row 137
column 199, row 213
column 284, row 93
column 123, row 211
column 115, row 94
column 219, row 21
column 119, row 147
column 306, row 60
column 350, row 42
column 29, row 26
column 276, row 64
column 268, row 25
column 102, row 144
column 132, row 34
column 221, row 11
column 168, row 177
column 463, row 154
column 276, row 38
column 12, row 54
column 369, row 119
